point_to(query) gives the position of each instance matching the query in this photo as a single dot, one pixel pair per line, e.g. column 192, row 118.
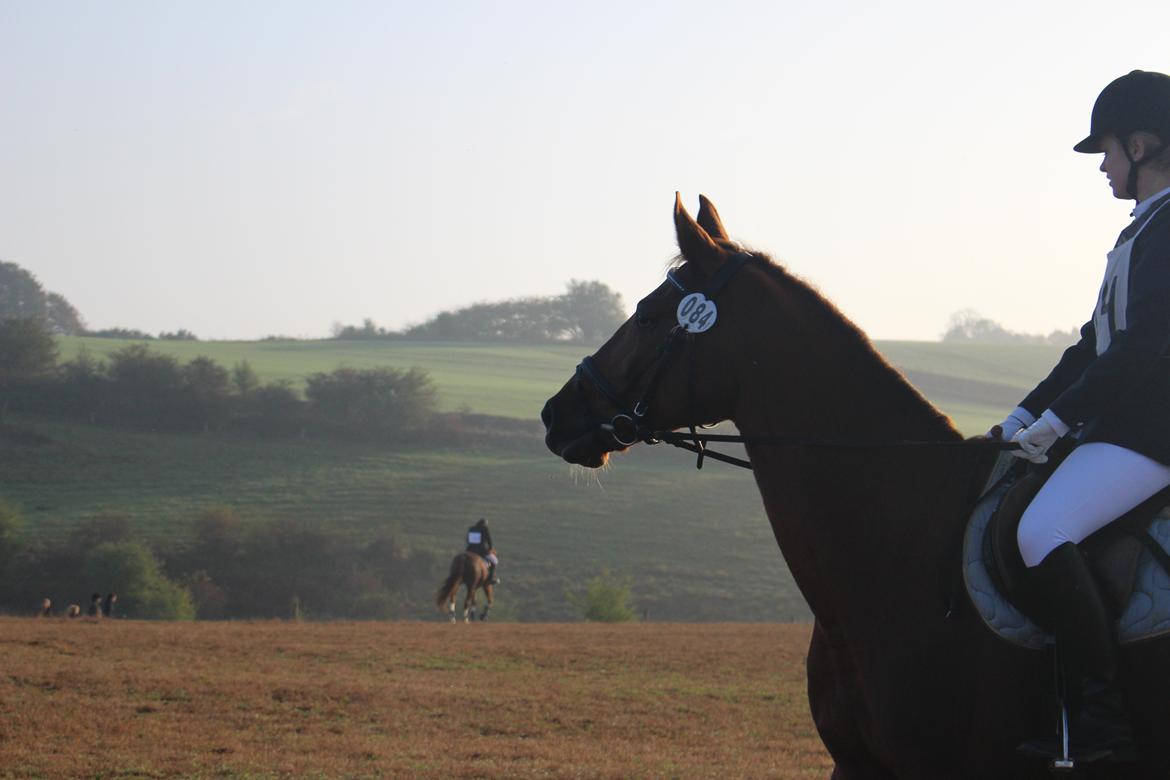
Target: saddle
column 1113, row 553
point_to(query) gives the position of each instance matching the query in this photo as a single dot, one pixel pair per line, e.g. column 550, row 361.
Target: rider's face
column 1115, row 166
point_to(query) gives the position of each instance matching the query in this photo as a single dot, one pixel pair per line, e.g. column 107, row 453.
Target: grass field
column 975, row 383
column 695, row 543
column 507, row 380
column 363, row 700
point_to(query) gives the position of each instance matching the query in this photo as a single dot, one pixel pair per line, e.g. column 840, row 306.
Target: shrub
column 119, row 333
column 179, row 335
column 274, row 408
column 245, row 380
column 27, row 350
column 386, row 399
column 211, row 601
column 206, row 394
column 607, row 599
column 145, row 385
column 11, row 540
column 131, row 571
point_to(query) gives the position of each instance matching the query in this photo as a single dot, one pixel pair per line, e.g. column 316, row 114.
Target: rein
column 697, row 313
column 697, row 443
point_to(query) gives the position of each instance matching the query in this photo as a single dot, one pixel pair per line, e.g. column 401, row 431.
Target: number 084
column 696, row 313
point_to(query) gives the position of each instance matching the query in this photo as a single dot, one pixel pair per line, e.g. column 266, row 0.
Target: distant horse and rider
column 474, row 569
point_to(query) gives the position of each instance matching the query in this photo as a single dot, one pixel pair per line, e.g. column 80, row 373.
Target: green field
column 975, row 383
column 696, row 543
column 500, row 379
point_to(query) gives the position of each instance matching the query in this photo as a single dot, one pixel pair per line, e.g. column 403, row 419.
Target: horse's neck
column 866, row 529
column 856, row 526
column 838, row 387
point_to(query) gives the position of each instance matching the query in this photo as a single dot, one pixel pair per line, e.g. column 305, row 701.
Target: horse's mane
column 807, row 294
column 851, row 337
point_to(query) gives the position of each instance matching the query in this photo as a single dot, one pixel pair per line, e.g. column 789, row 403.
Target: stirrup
column 1062, row 758
column 1055, row 751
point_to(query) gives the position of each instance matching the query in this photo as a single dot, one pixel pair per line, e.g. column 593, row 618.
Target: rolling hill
column 695, row 543
column 973, row 382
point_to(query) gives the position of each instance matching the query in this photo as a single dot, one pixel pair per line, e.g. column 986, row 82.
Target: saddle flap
column 1113, row 553
column 1001, row 550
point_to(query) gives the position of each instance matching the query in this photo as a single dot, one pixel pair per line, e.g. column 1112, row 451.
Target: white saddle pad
column 1146, row 615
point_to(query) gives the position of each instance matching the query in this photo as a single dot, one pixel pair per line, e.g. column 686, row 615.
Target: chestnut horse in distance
column 471, row 571
column 898, row 688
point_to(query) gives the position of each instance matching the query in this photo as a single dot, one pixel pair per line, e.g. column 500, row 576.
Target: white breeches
column 492, row 557
column 1096, row 484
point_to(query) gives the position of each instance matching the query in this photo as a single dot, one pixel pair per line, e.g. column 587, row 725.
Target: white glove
column 1015, row 422
column 1035, row 440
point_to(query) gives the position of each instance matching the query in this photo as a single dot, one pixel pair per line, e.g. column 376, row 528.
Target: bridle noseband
column 627, row 427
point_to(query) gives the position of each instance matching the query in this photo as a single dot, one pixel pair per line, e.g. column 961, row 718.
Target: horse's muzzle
column 569, row 434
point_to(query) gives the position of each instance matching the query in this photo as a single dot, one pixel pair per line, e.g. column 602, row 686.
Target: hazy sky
column 243, row 169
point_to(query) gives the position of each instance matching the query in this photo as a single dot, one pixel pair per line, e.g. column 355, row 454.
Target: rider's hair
column 1160, row 147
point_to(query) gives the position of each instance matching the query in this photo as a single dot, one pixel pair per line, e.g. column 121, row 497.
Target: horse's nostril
column 546, row 416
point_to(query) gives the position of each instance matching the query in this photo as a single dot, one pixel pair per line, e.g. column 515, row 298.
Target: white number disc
column 696, row 314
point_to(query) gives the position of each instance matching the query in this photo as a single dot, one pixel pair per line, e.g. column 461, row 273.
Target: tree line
column 586, row 312
column 227, row 569
column 140, row 388
column 23, row 297
column 970, row 325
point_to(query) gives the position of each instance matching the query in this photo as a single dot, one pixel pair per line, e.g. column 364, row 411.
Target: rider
column 1111, row 392
column 479, row 541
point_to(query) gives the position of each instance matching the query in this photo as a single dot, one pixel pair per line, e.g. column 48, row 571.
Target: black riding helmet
column 1138, row 101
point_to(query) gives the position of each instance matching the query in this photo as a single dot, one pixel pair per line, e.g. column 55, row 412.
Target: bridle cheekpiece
column 696, row 313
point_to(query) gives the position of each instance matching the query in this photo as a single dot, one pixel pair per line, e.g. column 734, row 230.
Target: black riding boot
column 1072, row 608
column 492, row 578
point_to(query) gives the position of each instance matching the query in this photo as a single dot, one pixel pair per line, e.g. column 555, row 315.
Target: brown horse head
column 638, row 381
column 765, row 351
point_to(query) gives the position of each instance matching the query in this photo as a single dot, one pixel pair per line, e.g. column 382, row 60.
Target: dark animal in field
column 897, row 688
column 470, row 571
column 95, row 605
column 108, row 604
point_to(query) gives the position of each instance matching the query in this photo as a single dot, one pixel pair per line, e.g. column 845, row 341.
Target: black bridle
column 628, row 427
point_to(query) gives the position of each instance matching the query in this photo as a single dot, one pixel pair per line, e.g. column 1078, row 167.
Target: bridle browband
column 628, row 427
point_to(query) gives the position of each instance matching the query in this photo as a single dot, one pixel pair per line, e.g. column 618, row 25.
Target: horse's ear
column 694, row 242
column 709, row 220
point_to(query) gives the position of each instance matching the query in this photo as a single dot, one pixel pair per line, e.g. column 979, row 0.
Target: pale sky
column 246, row 169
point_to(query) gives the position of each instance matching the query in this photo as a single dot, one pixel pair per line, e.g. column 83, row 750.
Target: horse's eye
column 643, row 320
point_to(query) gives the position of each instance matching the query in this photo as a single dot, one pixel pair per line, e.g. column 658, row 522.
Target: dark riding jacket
column 1122, row 396
column 484, row 546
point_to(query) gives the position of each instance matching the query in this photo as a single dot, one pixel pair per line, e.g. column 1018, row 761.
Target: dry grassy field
column 121, row 698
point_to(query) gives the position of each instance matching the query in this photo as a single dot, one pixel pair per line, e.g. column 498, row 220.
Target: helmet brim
column 1091, row 145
